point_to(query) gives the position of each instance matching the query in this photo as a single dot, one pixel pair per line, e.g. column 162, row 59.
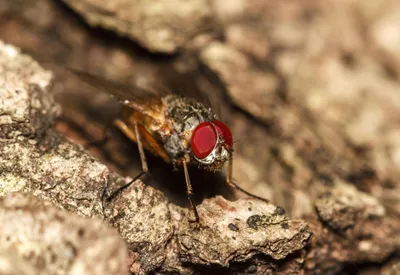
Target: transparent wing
column 126, row 94
column 188, row 84
column 149, row 85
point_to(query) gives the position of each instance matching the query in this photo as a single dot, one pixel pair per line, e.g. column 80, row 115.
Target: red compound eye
column 224, row 131
column 203, row 140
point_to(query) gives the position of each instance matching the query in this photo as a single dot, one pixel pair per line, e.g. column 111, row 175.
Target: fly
column 179, row 128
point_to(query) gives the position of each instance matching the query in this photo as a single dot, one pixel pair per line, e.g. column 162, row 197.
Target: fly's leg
column 145, row 170
column 189, row 190
column 234, row 185
column 91, row 142
column 103, row 141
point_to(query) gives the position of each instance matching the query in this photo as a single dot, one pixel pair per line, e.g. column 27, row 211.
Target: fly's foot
column 116, row 192
column 195, row 224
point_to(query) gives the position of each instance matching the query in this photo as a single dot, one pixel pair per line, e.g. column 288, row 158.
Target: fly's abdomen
column 150, row 131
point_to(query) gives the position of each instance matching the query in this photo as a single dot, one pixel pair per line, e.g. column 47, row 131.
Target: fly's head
column 211, row 143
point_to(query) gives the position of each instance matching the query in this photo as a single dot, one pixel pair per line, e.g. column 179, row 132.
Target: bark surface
column 309, row 89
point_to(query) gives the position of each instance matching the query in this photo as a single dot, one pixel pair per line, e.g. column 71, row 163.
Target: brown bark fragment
column 160, row 25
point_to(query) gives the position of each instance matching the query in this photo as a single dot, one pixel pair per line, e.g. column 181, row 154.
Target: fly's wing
column 186, row 84
column 129, row 95
column 150, row 85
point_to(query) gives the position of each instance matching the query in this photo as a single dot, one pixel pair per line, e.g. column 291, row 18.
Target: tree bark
column 310, row 90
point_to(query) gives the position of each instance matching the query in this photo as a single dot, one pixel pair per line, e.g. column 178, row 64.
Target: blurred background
column 309, row 88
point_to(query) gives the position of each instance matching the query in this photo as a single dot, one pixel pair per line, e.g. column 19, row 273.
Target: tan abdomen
column 148, row 130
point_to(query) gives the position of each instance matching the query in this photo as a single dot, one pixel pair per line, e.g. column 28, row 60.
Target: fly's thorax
column 183, row 115
column 198, row 133
column 187, row 112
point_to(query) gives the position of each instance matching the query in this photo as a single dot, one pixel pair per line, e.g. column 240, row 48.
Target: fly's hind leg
column 133, row 136
column 103, row 141
column 232, row 184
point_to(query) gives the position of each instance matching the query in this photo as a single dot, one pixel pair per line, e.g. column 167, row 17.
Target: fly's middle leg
column 133, row 136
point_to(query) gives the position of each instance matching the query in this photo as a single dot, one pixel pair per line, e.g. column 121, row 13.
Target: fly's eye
column 203, row 140
column 224, row 131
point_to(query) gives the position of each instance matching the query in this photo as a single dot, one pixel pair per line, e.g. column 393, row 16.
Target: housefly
column 177, row 125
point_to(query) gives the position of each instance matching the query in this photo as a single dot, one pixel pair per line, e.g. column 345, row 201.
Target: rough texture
column 316, row 83
column 352, row 215
column 20, row 113
column 49, row 166
column 48, row 240
column 160, row 26
column 61, row 173
column 235, row 69
column 141, row 214
column 235, row 231
column 321, row 102
column 12, row 264
column 344, row 204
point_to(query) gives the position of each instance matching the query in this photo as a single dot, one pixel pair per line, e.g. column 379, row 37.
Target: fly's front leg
column 133, row 136
column 232, row 184
column 189, row 189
